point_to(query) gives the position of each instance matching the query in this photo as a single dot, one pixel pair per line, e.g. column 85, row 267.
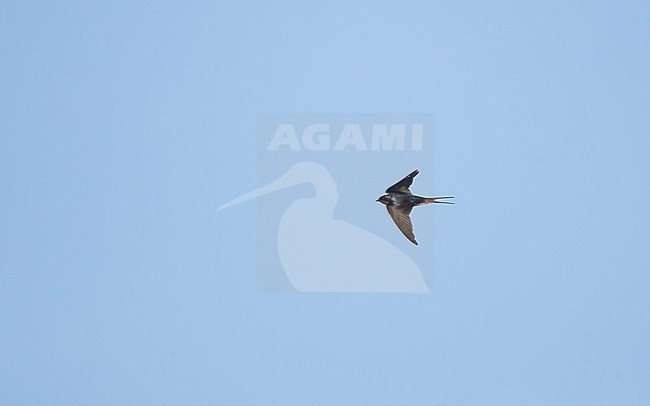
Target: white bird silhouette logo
column 323, row 254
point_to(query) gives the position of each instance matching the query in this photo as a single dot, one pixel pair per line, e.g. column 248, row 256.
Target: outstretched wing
column 403, row 185
column 400, row 215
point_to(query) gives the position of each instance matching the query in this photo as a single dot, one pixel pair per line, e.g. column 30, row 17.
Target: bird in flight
column 400, row 201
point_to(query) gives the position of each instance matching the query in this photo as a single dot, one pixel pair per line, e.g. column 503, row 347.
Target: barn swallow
column 400, row 201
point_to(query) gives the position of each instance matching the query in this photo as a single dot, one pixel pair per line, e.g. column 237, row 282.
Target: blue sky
column 124, row 125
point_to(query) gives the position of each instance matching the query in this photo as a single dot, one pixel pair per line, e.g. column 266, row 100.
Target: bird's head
column 384, row 199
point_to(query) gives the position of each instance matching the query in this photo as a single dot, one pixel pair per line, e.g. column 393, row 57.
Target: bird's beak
column 302, row 172
column 279, row 184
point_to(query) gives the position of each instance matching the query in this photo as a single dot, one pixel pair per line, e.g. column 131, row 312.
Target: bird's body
column 400, row 201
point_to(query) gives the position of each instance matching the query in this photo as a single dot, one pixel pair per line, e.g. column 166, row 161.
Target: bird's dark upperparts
column 400, row 201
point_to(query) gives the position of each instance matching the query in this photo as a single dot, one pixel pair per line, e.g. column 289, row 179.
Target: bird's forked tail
column 428, row 200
